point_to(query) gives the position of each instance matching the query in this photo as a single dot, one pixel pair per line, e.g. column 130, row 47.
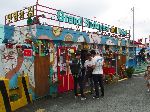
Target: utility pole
column 134, row 49
column 37, row 3
column 145, row 42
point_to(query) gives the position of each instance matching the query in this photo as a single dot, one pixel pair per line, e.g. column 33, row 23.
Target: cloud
column 10, row 6
column 112, row 12
column 81, row 8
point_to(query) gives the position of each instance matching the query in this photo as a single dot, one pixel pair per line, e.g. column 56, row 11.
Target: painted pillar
column 1, row 33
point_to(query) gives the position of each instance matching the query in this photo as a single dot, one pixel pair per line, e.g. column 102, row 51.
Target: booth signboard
column 20, row 15
column 84, row 22
column 65, row 18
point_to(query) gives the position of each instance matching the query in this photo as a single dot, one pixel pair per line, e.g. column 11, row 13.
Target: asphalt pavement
column 126, row 96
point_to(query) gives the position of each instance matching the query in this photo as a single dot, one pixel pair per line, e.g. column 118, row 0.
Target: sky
column 113, row 12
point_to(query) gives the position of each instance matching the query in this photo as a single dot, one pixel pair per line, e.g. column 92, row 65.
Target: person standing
column 88, row 68
column 97, row 73
column 147, row 78
column 76, row 70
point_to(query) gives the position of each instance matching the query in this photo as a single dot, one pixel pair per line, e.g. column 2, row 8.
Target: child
column 147, row 78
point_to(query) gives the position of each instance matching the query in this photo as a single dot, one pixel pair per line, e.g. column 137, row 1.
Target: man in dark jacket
column 77, row 72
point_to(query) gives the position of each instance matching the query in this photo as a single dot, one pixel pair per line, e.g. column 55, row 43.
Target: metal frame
column 37, row 10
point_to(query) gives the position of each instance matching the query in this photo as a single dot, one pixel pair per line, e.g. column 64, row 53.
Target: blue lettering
column 87, row 24
column 91, row 25
column 66, row 18
column 100, row 27
column 60, row 16
column 71, row 20
column 79, row 21
column 63, row 17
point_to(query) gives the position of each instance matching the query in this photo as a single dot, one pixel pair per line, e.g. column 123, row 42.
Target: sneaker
column 83, row 98
column 75, row 97
column 91, row 92
column 102, row 95
column 96, row 97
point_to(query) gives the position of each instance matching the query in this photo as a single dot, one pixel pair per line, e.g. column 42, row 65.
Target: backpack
column 75, row 67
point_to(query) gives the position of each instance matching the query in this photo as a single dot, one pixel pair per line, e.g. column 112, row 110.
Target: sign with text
column 68, row 20
column 19, row 15
column 84, row 22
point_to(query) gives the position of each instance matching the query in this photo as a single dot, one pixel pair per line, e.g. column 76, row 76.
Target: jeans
column 91, row 83
column 89, row 79
column 78, row 80
column 98, row 80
